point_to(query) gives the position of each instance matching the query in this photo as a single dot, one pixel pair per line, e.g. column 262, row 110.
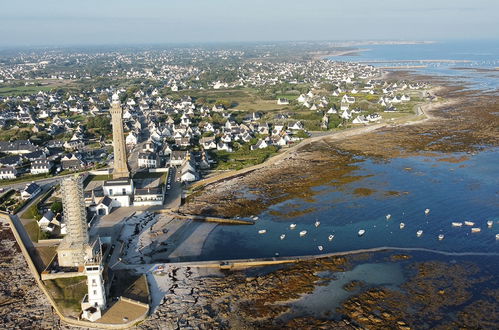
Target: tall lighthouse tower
column 120, row 159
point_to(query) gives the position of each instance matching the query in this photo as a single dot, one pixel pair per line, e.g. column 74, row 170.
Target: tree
column 56, row 207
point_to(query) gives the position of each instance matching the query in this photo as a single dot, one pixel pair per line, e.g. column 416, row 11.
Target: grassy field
column 23, row 90
column 241, row 158
column 33, row 230
column 245, row 99
column 68, row 292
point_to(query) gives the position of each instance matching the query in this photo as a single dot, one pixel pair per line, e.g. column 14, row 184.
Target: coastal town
column 101, row 153
column 94, row 144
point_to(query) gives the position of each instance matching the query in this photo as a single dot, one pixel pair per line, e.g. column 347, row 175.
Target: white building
column 8, row 173
column 148, row 160
column 119, row 190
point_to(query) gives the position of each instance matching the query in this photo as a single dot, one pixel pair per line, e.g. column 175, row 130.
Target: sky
column 111, row 22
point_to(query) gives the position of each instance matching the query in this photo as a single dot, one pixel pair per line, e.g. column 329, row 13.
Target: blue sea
column 478, row 54
column 454, row 192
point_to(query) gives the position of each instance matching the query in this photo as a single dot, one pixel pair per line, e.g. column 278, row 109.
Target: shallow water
column 327, row 298
column 452, row 191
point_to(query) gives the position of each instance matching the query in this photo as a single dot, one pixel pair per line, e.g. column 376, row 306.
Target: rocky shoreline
column 439, row 294
column 22, row 303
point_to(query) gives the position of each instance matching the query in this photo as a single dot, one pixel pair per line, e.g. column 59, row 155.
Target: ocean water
column 482, row 54
column 464, row 191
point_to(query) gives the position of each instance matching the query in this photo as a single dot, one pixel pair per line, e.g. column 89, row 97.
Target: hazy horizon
column 61, row 23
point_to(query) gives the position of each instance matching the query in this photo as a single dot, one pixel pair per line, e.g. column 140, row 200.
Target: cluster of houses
column 24, row 157
column 390, row 94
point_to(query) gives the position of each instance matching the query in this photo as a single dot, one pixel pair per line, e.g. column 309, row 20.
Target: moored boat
column 469, row 223
column 388, row 216
column 490, row 223
column 419, row 233
column 320, row 247
column 441, row 237
column 361, row 232
column 402, row 225
column 262, row 231
column 497, row 236
column 330, row 237
column 476, row 230
column 283, row 236
column 427, row 211
column 317, row 223
column 457, row 224
column 303, row 233
column 292, row 226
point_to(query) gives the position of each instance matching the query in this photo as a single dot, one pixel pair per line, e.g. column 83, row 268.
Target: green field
column 23, row 90
column 68, row 292
column 241, row 158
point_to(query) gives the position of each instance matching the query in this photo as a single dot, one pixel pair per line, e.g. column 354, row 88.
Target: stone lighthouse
column 120, row 159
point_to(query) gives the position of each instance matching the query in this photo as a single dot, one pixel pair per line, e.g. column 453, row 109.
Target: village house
column 8, row 173
column 30, row 191
column 148, row 160
column 41, row 166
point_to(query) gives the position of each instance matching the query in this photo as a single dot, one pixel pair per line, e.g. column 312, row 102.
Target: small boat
column 330, row 237
column 388, row 216
column 320, row 247
column 402, row 225
column 262, row 231
column 490, row 223
column 361, row 232
column 469, row 223
column 457, row 224
column 419, row 233
column 255, row 218
column 476, row 230
column 283, row 236
column 497, row 236
column 303, row 233
column 427, row 211
column 317, row 223
column 292, row 226
column 441, row 237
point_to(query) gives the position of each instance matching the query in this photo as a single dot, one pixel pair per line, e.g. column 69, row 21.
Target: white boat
column 388, row 216
column 469, row 223
column 441, row 237
column 497, row 236
column 255, row 218
column 320, row 247
column 427, row 211
column 402, row 225
column 262, row 231
column 317, row 223
column 361, row 232
column 303, row 233
column 490, row 223
column 457, row 224
column 330, row 237
column 283, row 236
column 292, row 226
column 476, row 230
column 419, row 233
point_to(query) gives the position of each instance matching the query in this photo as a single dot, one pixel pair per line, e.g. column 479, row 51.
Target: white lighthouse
column 95, row 300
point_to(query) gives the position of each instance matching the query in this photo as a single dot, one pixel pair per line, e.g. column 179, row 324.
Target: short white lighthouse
column 95, row 300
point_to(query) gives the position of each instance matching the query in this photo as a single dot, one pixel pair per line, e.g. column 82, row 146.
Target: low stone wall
column 52, row 276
